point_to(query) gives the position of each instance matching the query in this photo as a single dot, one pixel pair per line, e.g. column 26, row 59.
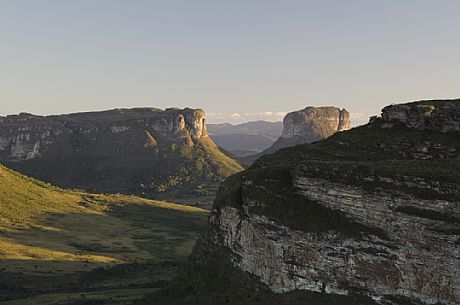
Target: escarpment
column 307, row 126
column 144, row 151
column 367, row 216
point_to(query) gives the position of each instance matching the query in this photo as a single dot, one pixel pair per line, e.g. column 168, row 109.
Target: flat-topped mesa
column 442, row 115
column 121, row 150
column 171, row 123
column 315, row 123
column 307, row 126
column 26, row 136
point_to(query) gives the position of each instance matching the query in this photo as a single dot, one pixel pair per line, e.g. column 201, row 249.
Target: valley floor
column 92, row 249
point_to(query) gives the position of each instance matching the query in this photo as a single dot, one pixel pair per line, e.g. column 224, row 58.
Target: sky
column 239, row 60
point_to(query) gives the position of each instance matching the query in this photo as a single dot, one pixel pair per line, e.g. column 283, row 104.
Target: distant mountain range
column 245, row 139
column 250, row 128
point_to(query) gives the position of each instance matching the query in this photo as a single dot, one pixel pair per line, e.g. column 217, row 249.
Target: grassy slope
column 51, row 239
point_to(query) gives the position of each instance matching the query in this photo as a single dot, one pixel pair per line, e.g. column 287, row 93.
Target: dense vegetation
column 186, row 170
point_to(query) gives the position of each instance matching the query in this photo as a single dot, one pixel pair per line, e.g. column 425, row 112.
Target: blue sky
column 238, row 60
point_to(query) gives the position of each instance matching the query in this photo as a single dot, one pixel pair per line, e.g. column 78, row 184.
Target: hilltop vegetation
column 187, row 170
column 355, row 156
column 67, row 247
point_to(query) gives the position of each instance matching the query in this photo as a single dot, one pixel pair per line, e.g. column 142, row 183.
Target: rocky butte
column 143, row 151
column 367, row 216
column 307, row 126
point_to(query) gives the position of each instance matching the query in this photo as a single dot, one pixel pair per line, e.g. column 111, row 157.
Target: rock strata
column 402, row 254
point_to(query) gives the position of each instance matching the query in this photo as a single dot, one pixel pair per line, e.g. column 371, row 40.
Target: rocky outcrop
column 315, row 123
column 372, row 212
column 435, row 115
column 307, row 126
column 107, row 151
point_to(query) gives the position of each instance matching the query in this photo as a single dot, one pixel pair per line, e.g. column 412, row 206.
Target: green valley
column 71, row 247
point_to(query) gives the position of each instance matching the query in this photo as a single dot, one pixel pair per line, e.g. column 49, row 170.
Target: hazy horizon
column 219, row 118
column 239, row 61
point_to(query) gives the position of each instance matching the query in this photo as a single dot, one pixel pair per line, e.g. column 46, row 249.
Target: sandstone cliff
column 144, row 151
column 307, row 126
column 315, row 123
column 367, row 216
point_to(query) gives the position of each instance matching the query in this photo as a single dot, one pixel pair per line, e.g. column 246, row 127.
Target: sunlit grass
column 13, row 250
column 50, row 236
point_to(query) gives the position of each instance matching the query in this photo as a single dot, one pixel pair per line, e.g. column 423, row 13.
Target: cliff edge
column 367, row 216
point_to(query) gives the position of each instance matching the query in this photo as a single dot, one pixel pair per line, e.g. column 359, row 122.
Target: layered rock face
column 306, row 126
column 123, row 150
column 397, row 246
column 372, row 212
